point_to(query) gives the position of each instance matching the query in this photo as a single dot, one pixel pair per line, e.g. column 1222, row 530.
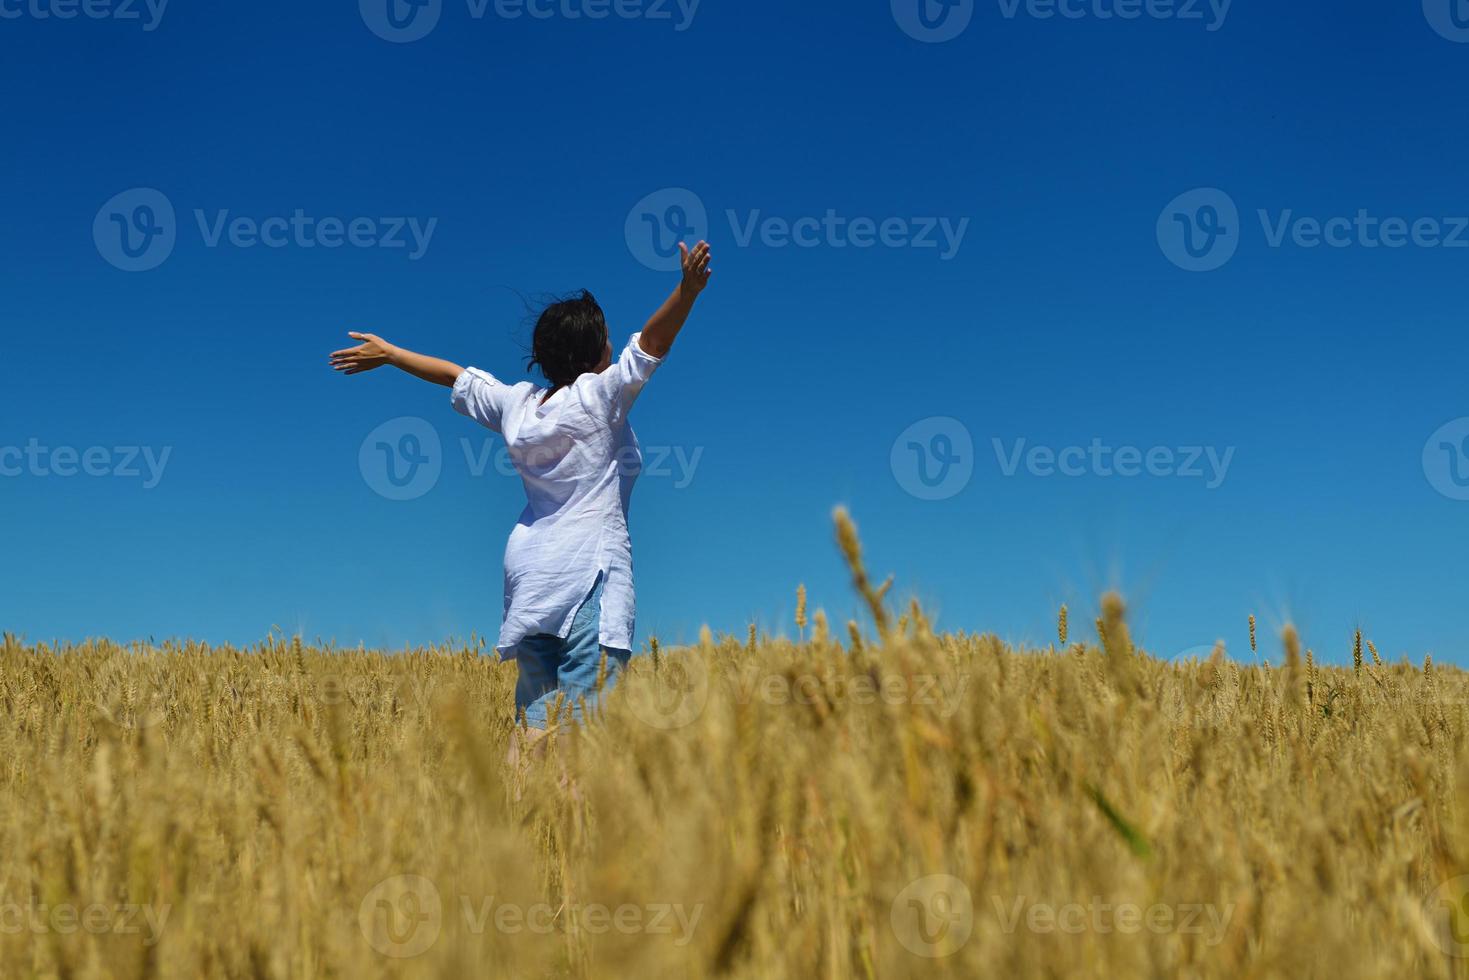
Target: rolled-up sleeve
column 637, row 364
column 620, row 385
column 479, row 396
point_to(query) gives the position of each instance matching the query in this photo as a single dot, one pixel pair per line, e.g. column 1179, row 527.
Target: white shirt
column 578, row 458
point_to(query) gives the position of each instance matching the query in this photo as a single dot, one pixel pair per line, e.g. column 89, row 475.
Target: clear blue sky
column 1064, row 316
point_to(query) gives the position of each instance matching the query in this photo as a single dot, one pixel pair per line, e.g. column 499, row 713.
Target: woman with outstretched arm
column 568, row 564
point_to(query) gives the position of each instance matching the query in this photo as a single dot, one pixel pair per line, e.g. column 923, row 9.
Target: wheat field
column 894, row 804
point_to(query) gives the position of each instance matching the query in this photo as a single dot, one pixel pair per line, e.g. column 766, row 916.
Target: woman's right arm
column 662, row 328
column 374, row 352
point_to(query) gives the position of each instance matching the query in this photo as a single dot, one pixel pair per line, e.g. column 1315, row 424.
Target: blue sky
column 1000, row 284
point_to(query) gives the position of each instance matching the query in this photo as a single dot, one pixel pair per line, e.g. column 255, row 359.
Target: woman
column 568, row 564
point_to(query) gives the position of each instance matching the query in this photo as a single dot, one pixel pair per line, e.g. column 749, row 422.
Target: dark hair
column 569, row 340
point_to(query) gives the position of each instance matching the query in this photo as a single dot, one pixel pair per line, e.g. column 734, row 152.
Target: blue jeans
column 551, row 667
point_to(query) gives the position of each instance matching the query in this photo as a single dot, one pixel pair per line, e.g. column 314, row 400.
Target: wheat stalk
column 801, row 610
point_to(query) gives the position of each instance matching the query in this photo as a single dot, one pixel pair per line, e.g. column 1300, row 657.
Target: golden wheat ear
column 851, row 548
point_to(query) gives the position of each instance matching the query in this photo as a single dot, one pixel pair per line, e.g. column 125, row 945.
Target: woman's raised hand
column 696, row 270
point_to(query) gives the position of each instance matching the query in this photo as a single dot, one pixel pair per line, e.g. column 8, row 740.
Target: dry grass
column 753, row 812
